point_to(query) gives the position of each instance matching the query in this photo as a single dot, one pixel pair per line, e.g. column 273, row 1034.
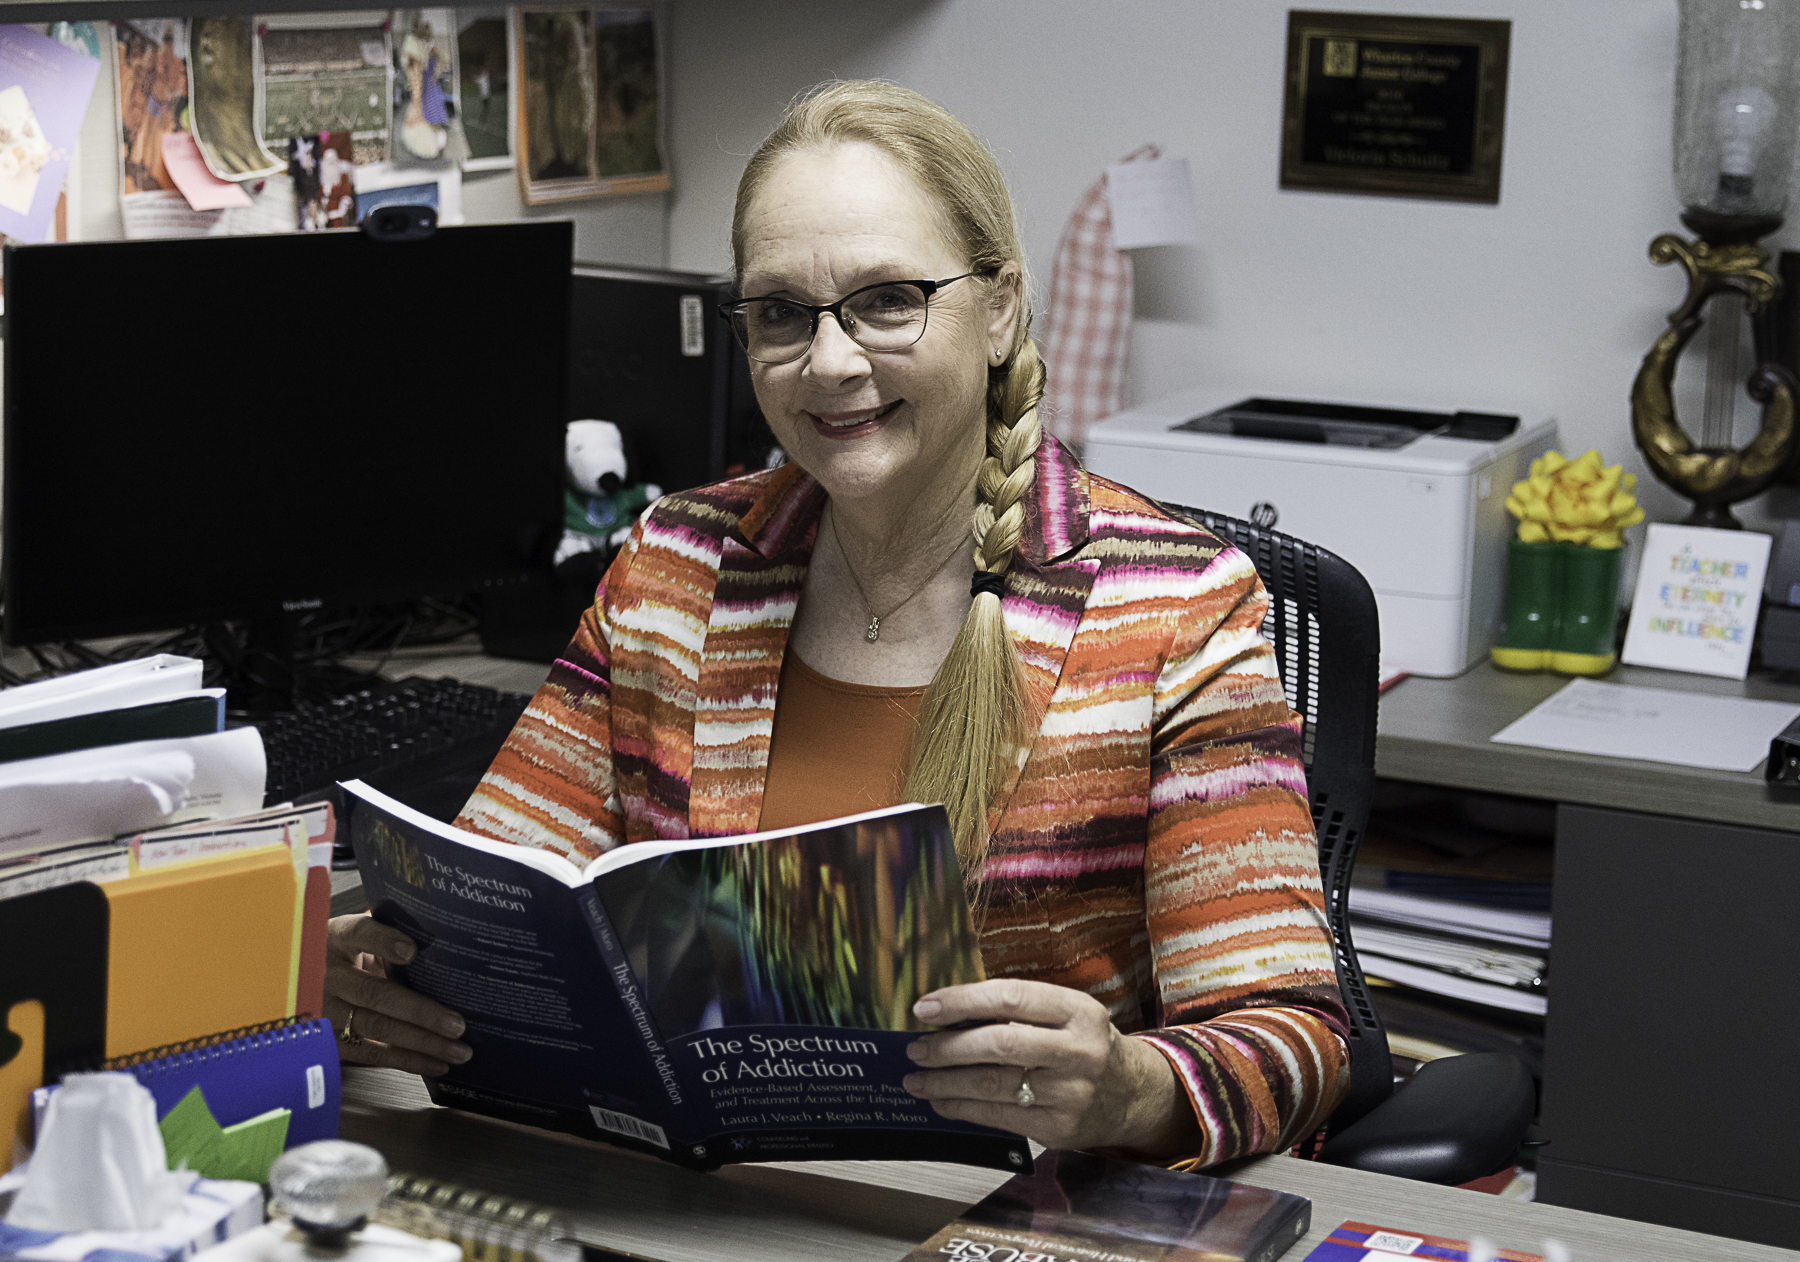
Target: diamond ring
column 1025, row 1095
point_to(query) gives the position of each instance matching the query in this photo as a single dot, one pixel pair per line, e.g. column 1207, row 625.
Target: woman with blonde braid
column 933, row 601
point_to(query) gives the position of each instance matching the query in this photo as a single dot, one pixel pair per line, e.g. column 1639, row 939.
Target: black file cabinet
column 1670, row 1089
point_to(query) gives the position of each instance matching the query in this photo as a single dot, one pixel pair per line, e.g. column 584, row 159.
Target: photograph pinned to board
column 150, row 78
column 324, row 73
column 65, row 222
column 152, row 82
column 226, row 99
column 389, row 185
column 323, row 171
column 628, row 146
column 484, row 57
column 44, row 92
column 426, row 124
column 555, row 72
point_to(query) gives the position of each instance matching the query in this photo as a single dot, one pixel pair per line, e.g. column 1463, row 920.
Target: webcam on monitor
column 400, row 223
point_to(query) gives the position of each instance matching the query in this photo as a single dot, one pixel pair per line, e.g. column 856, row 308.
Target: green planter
column 1562, row 608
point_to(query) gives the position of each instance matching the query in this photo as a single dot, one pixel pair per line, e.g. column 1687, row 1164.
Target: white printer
column 1415, row 500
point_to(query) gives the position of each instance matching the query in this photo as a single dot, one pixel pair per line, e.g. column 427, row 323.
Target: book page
column 503, row 942
column 778, row 974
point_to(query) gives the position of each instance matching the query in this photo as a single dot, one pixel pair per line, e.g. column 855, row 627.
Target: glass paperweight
column 1737, row 114
column 329, row 1187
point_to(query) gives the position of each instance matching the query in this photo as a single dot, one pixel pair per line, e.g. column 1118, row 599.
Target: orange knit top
column 837, row 748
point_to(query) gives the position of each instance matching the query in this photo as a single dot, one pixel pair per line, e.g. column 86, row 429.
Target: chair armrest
column 1459, row 1119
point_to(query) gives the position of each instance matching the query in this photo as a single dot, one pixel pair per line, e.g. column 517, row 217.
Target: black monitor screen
column 199, row 430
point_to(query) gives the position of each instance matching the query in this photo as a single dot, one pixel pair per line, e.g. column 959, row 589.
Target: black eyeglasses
column 885, row 317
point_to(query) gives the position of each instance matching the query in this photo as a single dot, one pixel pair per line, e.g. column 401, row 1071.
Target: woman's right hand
column 389, row 1024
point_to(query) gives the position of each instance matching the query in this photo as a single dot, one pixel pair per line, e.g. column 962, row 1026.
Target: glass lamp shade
column 1737, row 114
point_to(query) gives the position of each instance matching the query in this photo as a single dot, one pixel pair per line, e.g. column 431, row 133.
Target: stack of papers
column 98, row 778
column 1689, row 729
column 94, row 794
column 1486, row 955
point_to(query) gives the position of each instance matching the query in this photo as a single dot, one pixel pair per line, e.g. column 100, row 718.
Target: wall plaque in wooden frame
column 1394, row 105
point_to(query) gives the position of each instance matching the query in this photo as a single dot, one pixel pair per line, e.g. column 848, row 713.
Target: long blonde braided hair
column 977, row 719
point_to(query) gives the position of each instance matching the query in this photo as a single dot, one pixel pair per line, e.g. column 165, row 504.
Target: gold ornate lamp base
column 1713, row 477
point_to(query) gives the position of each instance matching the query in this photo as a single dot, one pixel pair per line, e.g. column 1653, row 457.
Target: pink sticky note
column 203, row 189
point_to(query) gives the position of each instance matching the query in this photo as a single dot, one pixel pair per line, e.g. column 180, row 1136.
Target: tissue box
column 213, row 1210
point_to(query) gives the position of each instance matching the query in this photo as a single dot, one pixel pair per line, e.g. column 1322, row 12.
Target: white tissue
column 99, row 1164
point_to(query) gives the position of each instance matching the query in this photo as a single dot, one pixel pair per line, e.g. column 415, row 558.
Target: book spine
column 1284, row 1237
column 679, row 1117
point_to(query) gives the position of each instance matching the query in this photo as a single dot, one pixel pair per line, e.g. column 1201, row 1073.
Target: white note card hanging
column 1697, row 596
column 1152, row 203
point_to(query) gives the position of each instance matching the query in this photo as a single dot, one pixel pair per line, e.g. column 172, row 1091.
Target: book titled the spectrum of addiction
column 732, row 999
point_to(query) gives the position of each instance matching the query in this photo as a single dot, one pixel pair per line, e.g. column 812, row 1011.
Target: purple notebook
column 292, row 1066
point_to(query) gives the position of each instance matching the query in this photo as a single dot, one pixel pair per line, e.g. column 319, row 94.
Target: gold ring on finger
column 1025, row 1096
column 348, row 1036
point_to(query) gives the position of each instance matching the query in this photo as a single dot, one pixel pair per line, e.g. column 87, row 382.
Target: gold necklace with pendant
column 873, row 631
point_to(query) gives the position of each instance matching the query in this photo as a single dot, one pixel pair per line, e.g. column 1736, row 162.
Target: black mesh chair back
column 1327, row 636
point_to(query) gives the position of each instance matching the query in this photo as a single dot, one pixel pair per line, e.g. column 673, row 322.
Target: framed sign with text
column 1401, row 106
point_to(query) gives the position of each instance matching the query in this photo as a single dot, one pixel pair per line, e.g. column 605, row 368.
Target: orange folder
column 198, row 949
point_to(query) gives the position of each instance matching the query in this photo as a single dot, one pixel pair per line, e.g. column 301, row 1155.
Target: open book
column 733, row 999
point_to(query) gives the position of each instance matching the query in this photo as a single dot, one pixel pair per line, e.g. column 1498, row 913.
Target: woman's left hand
column 1091, row 1086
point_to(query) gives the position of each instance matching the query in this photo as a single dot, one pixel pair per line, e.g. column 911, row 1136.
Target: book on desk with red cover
column 1365, row 1242
column 1079, row 1207
column 714, row 1001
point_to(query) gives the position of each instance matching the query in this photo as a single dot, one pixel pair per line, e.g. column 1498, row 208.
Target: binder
column 190, row 714
column 289, row 1064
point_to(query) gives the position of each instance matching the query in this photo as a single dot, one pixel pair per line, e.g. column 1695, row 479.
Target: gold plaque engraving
column 1402, row 106
column 1340, row 58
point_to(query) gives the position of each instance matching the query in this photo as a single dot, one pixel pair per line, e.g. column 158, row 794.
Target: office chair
column 1459, row 1118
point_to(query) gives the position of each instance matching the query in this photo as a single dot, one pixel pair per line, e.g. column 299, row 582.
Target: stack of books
column 1450, row 911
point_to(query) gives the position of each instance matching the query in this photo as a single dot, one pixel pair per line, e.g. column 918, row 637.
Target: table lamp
column 1737, row 117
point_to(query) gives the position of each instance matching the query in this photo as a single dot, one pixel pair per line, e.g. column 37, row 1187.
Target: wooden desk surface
column 875, row 1211
column 1437, row 731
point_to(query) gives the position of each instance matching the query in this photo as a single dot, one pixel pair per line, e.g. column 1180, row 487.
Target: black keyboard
column 423, row 741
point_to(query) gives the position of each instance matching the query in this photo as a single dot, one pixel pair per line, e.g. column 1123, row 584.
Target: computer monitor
column 225, row 429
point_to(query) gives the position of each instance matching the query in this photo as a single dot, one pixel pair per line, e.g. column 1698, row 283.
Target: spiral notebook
column 289, row 1065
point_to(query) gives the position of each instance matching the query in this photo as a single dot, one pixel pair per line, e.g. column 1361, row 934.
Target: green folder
column 193, row 1139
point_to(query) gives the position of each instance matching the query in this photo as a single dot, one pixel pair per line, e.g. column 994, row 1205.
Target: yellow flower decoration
column 1574, row 501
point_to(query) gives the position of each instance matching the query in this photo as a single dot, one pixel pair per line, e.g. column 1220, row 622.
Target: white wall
column 1543, row 304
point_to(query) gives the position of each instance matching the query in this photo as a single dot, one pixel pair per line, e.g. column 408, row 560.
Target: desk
column 875, row 1211
column 1670, row 1089
column 1676, row 892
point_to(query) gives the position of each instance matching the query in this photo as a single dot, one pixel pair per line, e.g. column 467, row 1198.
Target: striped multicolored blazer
column 1154, row 850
